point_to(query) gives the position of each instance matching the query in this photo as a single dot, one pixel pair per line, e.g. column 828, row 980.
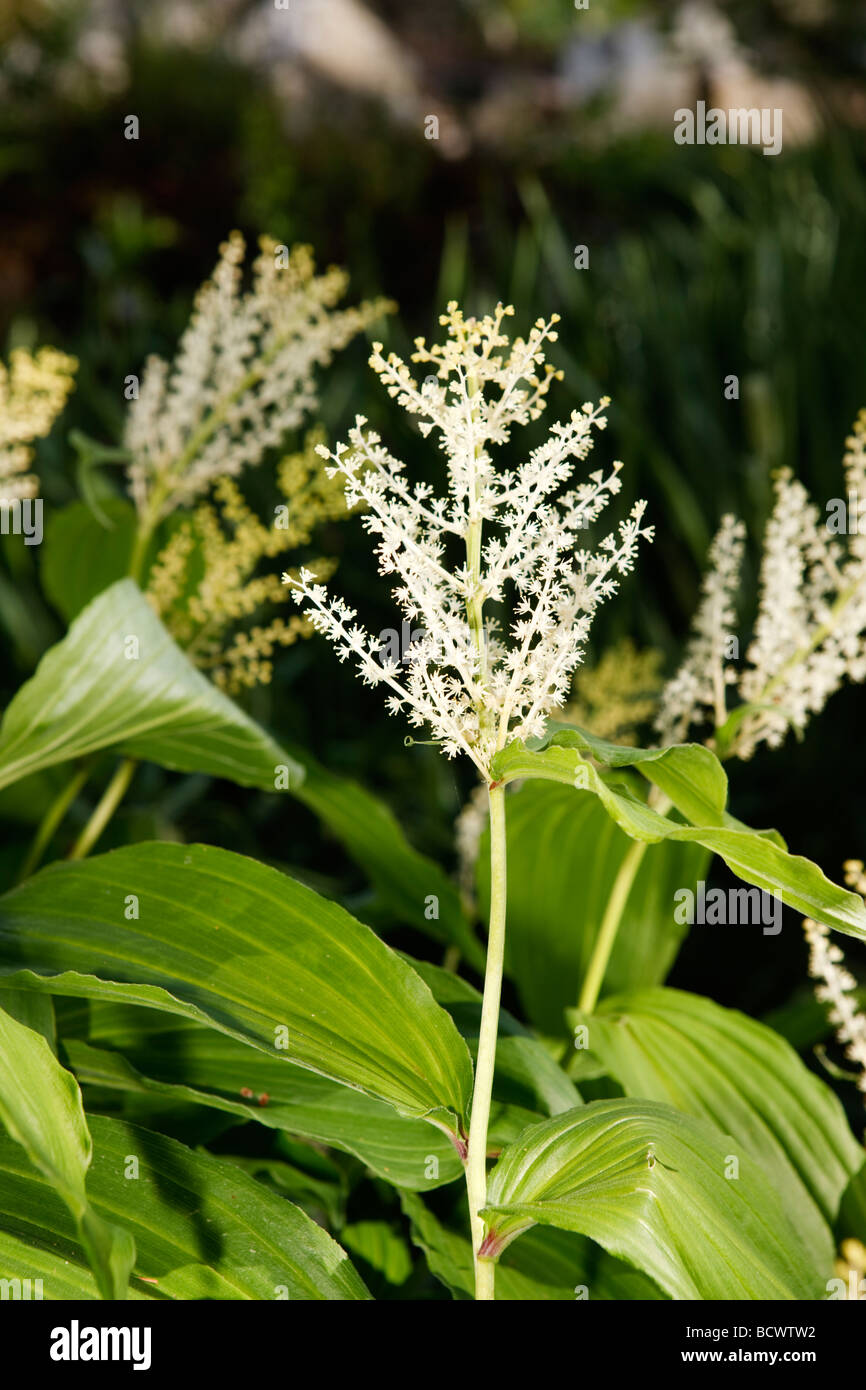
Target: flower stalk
column 105, row 808
column 476, row 1157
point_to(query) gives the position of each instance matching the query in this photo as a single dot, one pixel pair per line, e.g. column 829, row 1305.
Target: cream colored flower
column 242, row 376
column 810, row 630
column 205, row 583
column 33, row 391
column 510, row 540
column 827, row 964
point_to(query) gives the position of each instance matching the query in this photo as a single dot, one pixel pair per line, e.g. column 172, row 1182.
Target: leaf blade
column 230, row 942
column 753, row 855
column 675, row 1218
column 42, row 1111
column 203, row 1228
column 118, row 680
column 717, row 1064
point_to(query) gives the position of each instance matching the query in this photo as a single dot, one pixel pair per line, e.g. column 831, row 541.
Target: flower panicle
column 838, row 986
column 204, row 582
column 33, row 390
column 697, row 691
column 521, row 534
column 809, row 634
column 243, row 374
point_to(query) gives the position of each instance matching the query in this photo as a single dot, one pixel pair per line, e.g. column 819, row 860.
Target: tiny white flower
column 810, row 630
column 510, row 538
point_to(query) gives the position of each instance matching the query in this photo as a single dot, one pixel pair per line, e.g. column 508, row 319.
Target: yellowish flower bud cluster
column 204, row 583
column 852, row 1260
column 615, row 698
column 33, row 391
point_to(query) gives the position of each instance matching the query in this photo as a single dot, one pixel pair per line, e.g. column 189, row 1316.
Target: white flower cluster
column 698, row 688
column 474, row 686
column 826, row 963
column 242, row 376
column 810, row 631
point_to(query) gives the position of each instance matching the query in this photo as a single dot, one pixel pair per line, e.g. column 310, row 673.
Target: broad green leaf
column 649, row 1185
column 719, row 1065
column 545, row 1264
column 750, row 854
column 139, row 1050
column 215, row 1069
column 80, row 557
column 526, row 1074
column 202, row 1228
column 380, row 1246
column 564, row 853
column 407, row 881
column 852, row 1210
column 224, row 940
column 118, row 680
column 41, row 1109
column 688, row 773
column 321, row 1195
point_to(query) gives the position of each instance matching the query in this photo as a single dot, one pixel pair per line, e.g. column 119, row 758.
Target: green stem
column 601, row 951
column 451, row 959
column 51, row 820
column 104, row 809
column 613, row 913
column 139, row 549
column 476, row 1158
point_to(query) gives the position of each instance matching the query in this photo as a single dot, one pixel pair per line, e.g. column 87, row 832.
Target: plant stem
column 623, row 883
column 476, row 1158
column 601, row 951
column 51, row 820
column 139, row 550
column 104, row 809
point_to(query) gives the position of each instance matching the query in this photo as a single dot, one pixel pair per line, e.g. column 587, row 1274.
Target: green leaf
column 224, row 940
column 117, row 680
column 852, row 1209
column 40, row 1107
column 405, row 879
column 185, row 1062
column 750, row 854
column 649, row 1185
column 321, row 1195
column 564, row 853
column 139, row 1050
column 377, row 1244
column 203, row 1229
column 545, row 1264
column 688, row 773
column 526, row 1074
column 719, row 1065
column 80, row 556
